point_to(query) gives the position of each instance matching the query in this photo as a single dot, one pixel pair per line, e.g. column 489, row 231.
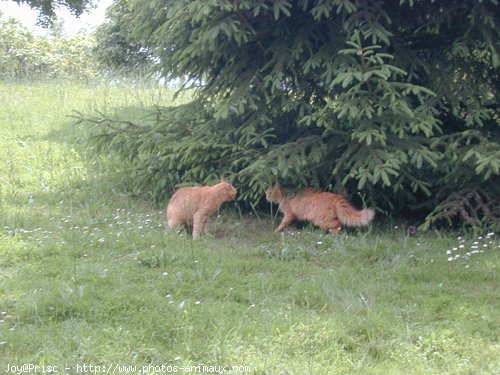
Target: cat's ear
column 222, row 179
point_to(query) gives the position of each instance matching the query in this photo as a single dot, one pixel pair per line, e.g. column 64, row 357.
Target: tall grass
column 90, row 276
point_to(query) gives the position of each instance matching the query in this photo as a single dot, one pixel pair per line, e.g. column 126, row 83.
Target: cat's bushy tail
column 351, row 217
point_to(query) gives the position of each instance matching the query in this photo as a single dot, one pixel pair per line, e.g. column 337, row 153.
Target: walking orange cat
column 195, row 204
column 326, row 210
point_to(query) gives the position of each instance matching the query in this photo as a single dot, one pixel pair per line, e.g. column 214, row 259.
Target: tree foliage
column 47, row 8
column 394, row 99
column 115, row 50
column 27, row 56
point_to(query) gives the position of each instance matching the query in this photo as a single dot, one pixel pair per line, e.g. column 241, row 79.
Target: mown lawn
column 89, row 276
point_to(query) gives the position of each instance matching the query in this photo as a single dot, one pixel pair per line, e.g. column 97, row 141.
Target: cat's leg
column 199, row 224
column 337, row 225
column 178, row 224
column 287, row 219
column 205, row 227
column 175, row 222
column 332, row 225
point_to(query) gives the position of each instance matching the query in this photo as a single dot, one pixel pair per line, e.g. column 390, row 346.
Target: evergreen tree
column 397, row 99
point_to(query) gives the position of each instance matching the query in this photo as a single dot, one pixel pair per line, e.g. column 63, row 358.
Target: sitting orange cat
column 326, row 210
column 194, row 205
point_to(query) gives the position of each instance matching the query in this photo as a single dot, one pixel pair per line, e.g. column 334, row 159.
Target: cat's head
column 228, row 190
column 274, row 193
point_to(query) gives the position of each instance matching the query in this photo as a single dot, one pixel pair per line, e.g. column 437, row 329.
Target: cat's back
column 309, row 194
column 188, row 191
column 310, row 200
column 185, row 199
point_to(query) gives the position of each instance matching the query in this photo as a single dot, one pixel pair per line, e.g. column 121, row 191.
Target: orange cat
column 326, row 210
column 194, row 205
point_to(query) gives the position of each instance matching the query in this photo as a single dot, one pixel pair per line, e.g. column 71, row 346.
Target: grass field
column 90, row 280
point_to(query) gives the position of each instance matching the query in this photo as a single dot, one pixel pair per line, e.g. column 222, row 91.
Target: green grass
column 89, row 275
